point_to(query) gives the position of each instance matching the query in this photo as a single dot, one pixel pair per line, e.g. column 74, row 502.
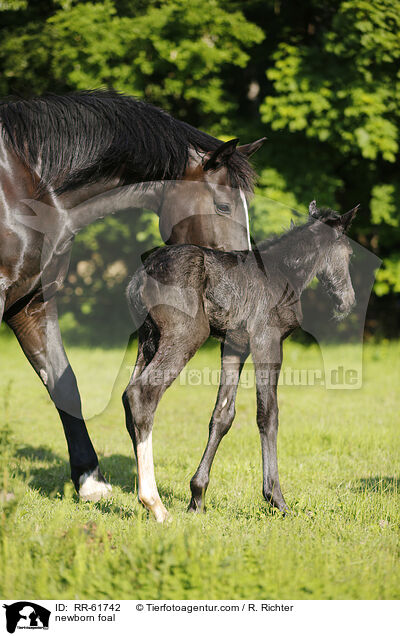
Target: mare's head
column 333, row 268
column 208, row 205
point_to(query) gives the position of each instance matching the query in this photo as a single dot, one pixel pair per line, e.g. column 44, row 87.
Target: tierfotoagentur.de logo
column 26, row 615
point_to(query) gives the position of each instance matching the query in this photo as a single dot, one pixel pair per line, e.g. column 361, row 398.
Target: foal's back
column 233, row 290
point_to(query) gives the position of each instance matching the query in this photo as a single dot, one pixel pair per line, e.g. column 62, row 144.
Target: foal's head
column 333, row 269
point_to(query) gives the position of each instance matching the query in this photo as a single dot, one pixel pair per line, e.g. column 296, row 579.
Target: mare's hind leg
column 178, row 342
column 221, row 421
column 37, row 330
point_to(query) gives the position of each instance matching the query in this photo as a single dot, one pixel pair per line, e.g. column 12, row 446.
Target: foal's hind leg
column 221, row 421
column 177, row 344
column 147, row 347
column 267, row 358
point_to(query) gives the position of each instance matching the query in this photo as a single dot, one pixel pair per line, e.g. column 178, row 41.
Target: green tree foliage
column 173, row 53
column 335, row 86
column 319, row 78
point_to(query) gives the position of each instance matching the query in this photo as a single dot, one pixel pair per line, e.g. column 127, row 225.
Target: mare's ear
column 312, row 209
column 250, row 149
column 216, row 158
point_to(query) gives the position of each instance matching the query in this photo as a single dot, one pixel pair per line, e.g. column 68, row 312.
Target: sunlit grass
column 339, row 466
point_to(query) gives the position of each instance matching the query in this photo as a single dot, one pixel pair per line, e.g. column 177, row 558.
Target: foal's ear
column 250, row 149
column 216, row 158
column 312, row 209
column 348, row 217
column 344, row 222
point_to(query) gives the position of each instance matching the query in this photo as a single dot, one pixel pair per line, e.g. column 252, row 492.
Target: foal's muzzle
column 344, row 306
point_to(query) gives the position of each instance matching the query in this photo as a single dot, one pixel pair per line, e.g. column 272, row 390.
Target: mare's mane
column 75, row 140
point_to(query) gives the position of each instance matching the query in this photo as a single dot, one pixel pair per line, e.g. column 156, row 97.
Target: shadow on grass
column 47, row 472
column 48, row 479
column 113, row 507
column 38, row 453
column 378, row 484
column 120, row 470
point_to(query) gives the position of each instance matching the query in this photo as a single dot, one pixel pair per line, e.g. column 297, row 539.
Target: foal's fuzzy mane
column 323, row 215
column 77, row 139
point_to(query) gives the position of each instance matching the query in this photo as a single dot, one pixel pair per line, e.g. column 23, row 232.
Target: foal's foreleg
column 37, row 330
column 267, row 359
column 221, row 421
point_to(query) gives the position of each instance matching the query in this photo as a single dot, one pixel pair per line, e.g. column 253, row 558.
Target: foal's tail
column 134, row 291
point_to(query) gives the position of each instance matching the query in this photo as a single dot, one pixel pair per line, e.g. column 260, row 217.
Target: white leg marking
column 247, row 218
column 93, row 486
column 148, row 493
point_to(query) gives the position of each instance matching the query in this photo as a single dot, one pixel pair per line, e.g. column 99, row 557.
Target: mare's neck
column 105, row 200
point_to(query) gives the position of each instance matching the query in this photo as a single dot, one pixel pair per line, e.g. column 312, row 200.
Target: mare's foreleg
column 220, row 423
column 37, row 330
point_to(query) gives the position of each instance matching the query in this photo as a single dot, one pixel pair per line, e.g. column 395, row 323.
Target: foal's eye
column 223, row 208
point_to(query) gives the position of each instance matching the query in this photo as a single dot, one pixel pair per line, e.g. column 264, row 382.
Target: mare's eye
column 223, row 208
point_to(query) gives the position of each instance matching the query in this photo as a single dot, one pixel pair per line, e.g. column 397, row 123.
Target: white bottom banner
column 194, row 617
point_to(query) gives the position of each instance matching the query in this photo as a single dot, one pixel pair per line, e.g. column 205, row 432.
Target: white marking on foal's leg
column 247, row 217
column 93, row 486
column 148, row 492
column 44, row 376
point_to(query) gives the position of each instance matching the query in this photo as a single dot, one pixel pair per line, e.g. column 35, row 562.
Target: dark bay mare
column 251, row 303
column 67, row 161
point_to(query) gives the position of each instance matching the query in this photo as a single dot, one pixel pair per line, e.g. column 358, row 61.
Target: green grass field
column 339, row 467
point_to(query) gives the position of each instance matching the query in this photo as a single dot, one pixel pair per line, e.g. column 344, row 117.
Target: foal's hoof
column 93, row 486
column 163, row 517
column 196, row 508
column 159, row 512
column 282, row 508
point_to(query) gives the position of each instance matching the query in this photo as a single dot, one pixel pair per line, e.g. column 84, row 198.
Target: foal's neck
column 297, row 254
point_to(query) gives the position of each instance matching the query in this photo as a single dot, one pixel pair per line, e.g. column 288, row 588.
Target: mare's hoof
column 93, row 486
